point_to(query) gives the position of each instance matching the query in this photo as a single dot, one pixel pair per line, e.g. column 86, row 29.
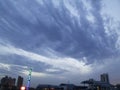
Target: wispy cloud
column 68, row 64
column 5, row 66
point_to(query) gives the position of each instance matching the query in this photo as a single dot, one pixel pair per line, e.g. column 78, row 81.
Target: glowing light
column 22, row 88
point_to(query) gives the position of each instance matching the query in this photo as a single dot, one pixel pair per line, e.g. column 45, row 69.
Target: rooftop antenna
column 29, row 78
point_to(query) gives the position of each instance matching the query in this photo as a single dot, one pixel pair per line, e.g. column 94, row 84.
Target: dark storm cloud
column 50, row 26
column 80, row 39
column 16, row 60
column 14, row 24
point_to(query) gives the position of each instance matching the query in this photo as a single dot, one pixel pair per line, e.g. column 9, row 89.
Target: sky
column 63, row 41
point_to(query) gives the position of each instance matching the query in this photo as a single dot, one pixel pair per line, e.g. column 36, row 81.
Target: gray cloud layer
column 65, row 28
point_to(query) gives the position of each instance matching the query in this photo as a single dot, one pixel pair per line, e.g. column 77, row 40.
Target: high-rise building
column 11, row 81
column 8, row 81
column 105, row 78
column 19, row 81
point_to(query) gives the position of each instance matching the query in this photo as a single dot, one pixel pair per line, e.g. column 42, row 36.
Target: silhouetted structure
column 117, row 87
column 72, row 87
column 105, row 78
column 99, row 85
column 19, row 81
column 7, row 83
column 67, row 86
column 48, row 87
column 62, row 86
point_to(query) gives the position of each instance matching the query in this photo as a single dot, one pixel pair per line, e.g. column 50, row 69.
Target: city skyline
column 102, row 84
column 61, row 40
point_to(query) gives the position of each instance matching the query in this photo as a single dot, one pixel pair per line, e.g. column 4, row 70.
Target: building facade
column 105, row 78
column 19, row 81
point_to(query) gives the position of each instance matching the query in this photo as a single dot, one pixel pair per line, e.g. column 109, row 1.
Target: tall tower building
column 19, row 81
column 105, row 78
column 8, row 81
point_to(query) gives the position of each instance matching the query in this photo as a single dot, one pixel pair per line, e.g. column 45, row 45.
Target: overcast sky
column 61, row 40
